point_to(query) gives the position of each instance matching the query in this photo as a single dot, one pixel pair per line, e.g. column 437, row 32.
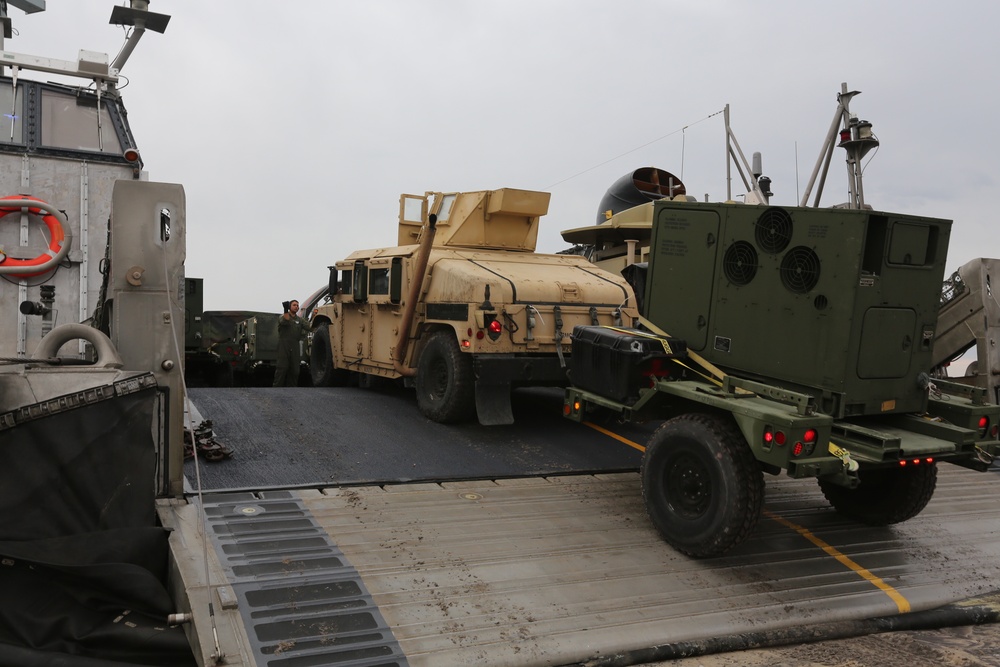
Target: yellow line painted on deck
column 902, row 604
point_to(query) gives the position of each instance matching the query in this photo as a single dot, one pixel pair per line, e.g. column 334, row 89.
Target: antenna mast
column 855, row 136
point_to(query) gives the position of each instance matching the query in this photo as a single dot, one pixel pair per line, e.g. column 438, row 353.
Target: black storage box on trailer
column 617, row 363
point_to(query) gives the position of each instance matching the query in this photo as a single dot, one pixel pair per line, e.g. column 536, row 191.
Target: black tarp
column 90, row 599
column 82, row 561
column 79, row 470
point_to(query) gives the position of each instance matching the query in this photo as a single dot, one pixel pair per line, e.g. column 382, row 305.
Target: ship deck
column 361, row 534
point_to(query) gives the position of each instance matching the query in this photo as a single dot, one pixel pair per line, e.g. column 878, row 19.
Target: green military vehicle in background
column 206, row 363
column 256, row 344
column 800, row 340
column 223, row 348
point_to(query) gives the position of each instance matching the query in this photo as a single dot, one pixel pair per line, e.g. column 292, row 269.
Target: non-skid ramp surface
column 552, row 571
column 287, row 437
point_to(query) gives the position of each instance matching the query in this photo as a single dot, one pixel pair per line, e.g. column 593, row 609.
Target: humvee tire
column 321, row 361
column 703, row 488
column 445, row 381
column 884, row 496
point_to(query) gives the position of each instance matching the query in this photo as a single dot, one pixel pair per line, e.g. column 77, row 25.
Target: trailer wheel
column 445, row 380
column 703, row 488
column 884, row 496
column 321, row 361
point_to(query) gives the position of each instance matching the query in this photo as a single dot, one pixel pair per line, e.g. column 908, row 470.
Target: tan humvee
column 463, row 308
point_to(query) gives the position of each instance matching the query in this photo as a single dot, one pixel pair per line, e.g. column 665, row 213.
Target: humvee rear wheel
column 321, row 361
column 884, row 496
column 703, row 488
column 445, row 381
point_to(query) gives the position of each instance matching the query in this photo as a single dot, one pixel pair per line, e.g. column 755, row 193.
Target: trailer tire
column 703, row 488
column 445, row 381
column 321, row 361
column 885, row 496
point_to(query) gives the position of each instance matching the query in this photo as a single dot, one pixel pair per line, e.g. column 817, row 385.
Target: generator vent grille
column 740, row 263
column 773, row 230
column 800, row 269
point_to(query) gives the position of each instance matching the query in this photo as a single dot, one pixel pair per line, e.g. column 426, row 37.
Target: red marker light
column 495, row 326
column 810, row 435
column 779, row 437
column 768, row 437
column 983, row 422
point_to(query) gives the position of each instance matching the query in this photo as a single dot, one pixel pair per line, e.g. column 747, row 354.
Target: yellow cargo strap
column 717, row 375
column 844, row 456
column 841, row 453
column 697, row 358
column 656, row 337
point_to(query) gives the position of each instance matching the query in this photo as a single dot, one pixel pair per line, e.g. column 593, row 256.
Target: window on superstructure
column 11, row 115
column 74, row 122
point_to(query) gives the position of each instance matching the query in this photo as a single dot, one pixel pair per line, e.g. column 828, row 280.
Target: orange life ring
column 56, row 240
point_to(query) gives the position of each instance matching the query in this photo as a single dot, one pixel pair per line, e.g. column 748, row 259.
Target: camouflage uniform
column 290, row 332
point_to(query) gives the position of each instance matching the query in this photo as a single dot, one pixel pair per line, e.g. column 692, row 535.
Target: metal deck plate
column 558, row 570
column 301, row 602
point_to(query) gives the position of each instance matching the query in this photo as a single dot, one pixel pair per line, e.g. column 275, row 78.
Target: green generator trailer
column 796, row 339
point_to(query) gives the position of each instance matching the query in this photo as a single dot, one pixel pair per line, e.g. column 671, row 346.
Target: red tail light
column 927, row 461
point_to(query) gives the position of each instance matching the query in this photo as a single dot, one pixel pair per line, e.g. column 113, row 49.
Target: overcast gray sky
column 295, row 126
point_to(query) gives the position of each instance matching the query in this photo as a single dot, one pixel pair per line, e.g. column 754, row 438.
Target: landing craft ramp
column 556, row 566
column 327, row 435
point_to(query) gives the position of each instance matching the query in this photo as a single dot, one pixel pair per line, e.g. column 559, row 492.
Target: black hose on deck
column 977, row 611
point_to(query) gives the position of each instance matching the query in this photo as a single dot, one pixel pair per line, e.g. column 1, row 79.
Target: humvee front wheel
column 321, row 361
column 884, row 496
column 703, row 488
column 445, row 381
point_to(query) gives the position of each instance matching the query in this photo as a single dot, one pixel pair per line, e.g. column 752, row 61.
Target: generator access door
column 682, row 259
